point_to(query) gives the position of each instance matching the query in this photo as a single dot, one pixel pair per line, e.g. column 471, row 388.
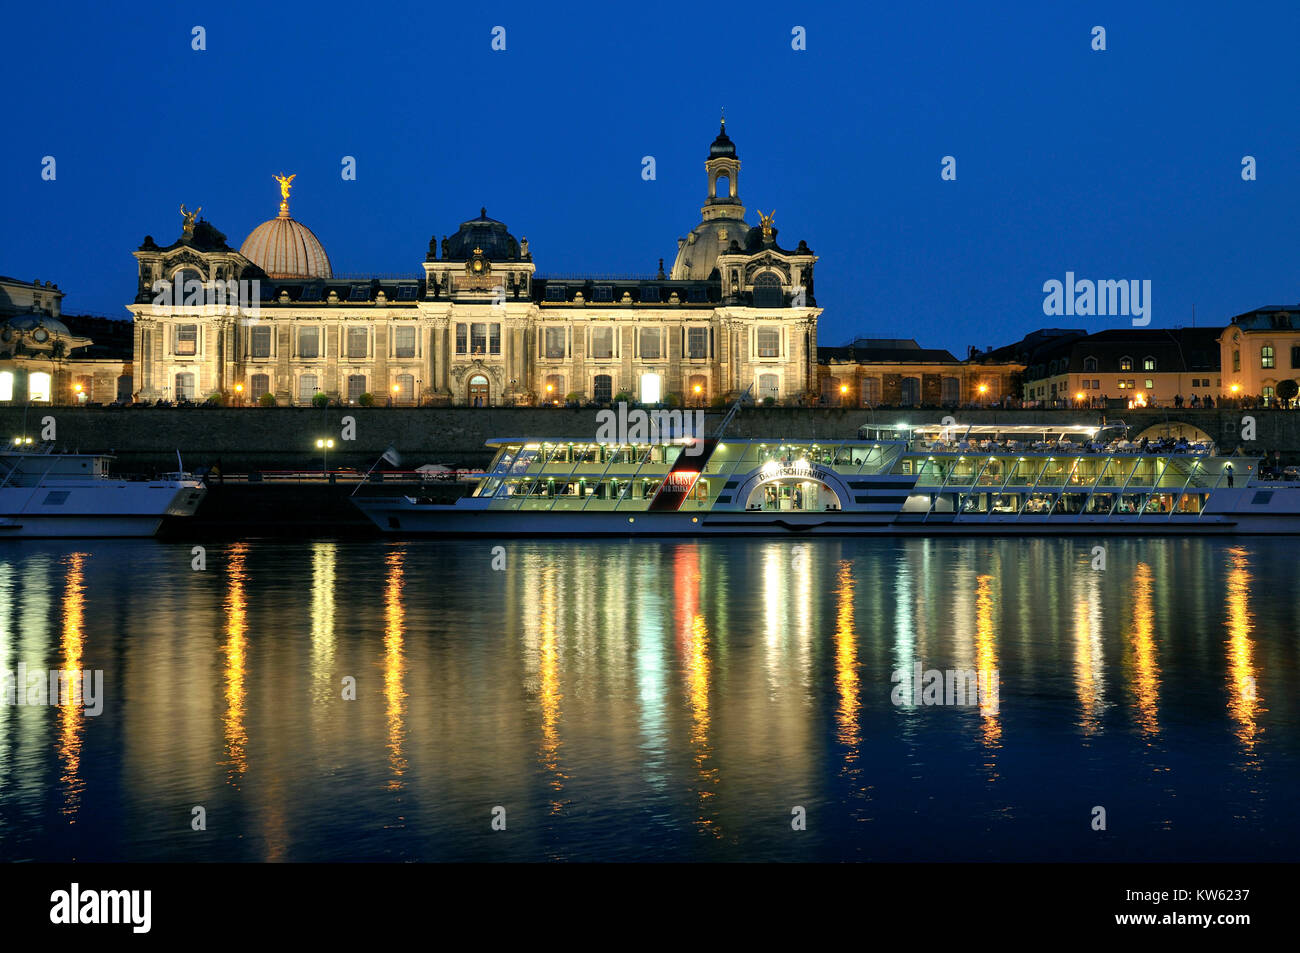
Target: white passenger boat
column 48, row 494
column 928, row 481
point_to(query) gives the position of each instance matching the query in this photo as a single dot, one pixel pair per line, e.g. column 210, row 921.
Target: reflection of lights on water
column 324, row 556
column 846, row 665
column 1088, row 660
column 986, row 661
column 234, row 650
column 1146, row 671
column 1243, row 693
column 394, row 693
column 72, row 714
column 549, row 696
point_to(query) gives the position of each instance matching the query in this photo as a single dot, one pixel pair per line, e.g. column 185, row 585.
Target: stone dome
column 37, row 331
column 286, row 248
column 697, row 257
column 489, row 235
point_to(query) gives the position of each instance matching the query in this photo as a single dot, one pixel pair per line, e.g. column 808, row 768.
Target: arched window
column 910, row 391
column 721, row 186
column 405, row 389
column 307, row 387
column 950, row 393
column 1126, row 363
column 356, row 387
column 697, row 390
column 870, row 391
column 1089, row 363
column 602, row 388
column 553, row 387
column 767, row 291
column 831, row 391
column 1148, row 363
column 769, row 385
column 258, row 384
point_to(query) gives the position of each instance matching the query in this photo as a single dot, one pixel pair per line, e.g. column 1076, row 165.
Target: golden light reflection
column 72, row 715
column 846, row 666
column 236, row 650
column 693, row 642
column 1146, row 671
column 324, row 558
column 549, row 697
column 394, row 666
column 1087, row 651
column 1244, row 704
column 986, row 662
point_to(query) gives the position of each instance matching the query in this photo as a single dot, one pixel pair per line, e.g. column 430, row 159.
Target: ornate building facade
column 480, row 326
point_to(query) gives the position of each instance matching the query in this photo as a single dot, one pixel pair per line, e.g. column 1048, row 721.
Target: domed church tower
column 723, row 217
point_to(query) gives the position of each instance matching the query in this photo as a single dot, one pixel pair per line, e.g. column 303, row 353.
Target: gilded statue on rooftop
column 285, row 184
column 188, row 227
column 766, row 221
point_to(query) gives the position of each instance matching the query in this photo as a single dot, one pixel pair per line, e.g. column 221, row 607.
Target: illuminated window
column 602, row 344
column 259, row 384
column 38, row 386
column 1126, row 363
column 261, row 338
column 309, row 342
column 404, row 341
column 697, row 343
column 187, row 337
column 1148, row 364
column 6, row 385
column 307, row 388
column 1266, row 358
column 553, row 347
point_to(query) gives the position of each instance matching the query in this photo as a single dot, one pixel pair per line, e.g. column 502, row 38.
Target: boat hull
column 407, row 518
column 95, row 509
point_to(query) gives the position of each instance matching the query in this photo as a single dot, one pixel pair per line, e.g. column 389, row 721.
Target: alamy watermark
column 56, row 687
column 229, row 297
column 641, row 426
column 953, row 686
column 1123, row 298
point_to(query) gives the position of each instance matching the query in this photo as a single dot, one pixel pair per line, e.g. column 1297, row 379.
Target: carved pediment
column 493, row 373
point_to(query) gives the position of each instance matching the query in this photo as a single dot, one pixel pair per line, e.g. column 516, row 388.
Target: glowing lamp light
column 984, row 388
column 1235, row 388
column 698, row 388
column 844, row 388
column 1079, row 396
column 77, row 388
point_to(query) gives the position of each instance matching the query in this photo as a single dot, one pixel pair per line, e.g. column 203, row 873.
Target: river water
column 715, row 700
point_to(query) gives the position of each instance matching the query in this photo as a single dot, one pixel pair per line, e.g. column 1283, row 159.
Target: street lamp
column 324, row 445
column 239, row 395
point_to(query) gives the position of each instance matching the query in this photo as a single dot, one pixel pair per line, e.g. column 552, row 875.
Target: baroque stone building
column 480, row 326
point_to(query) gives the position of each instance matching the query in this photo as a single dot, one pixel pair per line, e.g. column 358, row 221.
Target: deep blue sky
column 1122, row 164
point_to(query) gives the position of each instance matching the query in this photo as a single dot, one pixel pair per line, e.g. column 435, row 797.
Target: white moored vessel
column 930, row 481
column 45, row 494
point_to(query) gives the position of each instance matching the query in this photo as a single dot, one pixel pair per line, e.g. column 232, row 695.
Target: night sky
column 1114, row 165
